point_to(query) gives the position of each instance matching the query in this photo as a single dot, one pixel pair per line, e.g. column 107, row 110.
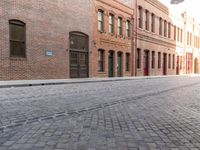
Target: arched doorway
column 79, row 59
column 196, row 70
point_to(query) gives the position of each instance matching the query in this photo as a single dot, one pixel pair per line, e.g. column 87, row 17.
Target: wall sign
column 48, row 53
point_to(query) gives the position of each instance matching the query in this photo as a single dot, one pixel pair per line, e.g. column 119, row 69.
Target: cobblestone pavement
column 150, row 114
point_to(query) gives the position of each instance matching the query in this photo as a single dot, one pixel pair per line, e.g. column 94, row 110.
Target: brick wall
column 48, row 23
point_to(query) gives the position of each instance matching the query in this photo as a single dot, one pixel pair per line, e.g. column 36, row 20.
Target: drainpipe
column 136, row 36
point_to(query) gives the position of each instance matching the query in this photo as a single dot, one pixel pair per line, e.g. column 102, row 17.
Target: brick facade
column 108, row 42
column 48, row 24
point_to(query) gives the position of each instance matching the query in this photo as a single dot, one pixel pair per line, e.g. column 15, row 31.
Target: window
column 165, row 28
column 111, row 23
column 78, row 41
column 181, row 35
column 128, row 28
column 178, row 34
column 138, row 58
column 147, row 20
column 190, row 39
column 181, row 62
column 17, row 38
column 127, row 62
column 169, row 30
column 119, row 26
column 174, row 32
column 100, row 60
column 140, row 17
column 173, row 61
column 159, row 60
column 187, row 38
column 152, row 23
column 169, row 61
column 160, row 26
column 153, row 59
column 101, row 20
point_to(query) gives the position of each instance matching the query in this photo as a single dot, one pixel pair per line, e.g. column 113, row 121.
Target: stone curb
column 28, row 83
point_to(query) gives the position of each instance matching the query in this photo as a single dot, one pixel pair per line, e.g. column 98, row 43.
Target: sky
column 191, row 6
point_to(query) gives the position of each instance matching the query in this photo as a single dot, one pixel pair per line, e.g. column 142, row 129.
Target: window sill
column 101, row 72
column 18, row 58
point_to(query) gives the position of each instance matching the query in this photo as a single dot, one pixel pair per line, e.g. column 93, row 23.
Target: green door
column 111, row 64
column 119, row 67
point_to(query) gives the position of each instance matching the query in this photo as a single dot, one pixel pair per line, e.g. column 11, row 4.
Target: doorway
column 111, row 64
column 79, row 58
column 119, row 67
column 177, row 65
column 164, row 64
column 196, row 70
column 146, row 63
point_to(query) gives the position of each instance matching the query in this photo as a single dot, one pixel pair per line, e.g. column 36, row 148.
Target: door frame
column 79, row 50
column 164, row 63
column 119, row 66
column 111, row 54
column 146, row 63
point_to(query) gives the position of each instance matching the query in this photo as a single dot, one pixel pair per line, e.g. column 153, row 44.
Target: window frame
column 120, row 26
column 140, row 9
column 22, row 24
column 101, row 57
column 101, row 21
column 128, row 28
column 111, row 23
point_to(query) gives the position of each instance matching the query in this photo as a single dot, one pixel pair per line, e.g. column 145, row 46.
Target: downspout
column 136, row 34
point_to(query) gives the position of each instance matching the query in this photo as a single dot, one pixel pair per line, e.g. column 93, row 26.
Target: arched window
column 78, row 41
column 17, row 38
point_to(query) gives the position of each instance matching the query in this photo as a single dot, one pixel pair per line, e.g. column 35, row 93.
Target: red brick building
column 38, row 39
column 112, row 53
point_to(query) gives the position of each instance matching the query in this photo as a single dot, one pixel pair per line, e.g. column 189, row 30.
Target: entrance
column 119, row 67
column 189, row 63
column 111, row 64
column 146, row 63
column 164, row 64
column 196, row 70
column 177, row 65
column 79, row 61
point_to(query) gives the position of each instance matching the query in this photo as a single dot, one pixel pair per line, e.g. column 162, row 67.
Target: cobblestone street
column 143, row 114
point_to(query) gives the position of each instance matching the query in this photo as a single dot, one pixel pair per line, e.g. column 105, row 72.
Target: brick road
column 149, row 114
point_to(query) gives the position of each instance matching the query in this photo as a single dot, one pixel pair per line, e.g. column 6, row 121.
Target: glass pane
column 82, row 59
column 74, row 58
column 17, row 49
column 79, row 42
column 17, row 32
column 100, row 16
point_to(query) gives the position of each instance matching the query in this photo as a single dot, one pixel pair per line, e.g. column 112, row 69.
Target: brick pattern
column 108, row 41
column 48, row 24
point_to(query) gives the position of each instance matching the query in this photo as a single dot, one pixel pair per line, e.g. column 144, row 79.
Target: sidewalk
column 23, row 83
